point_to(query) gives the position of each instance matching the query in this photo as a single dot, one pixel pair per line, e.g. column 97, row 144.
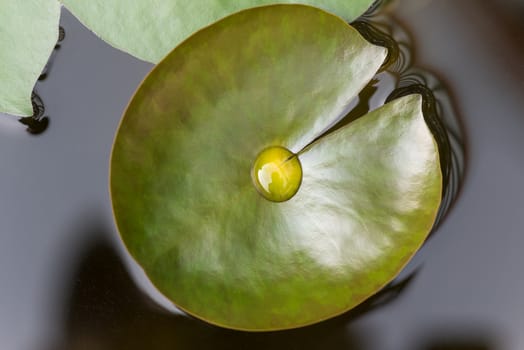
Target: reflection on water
column 38, row 123
column 472, row 336
column 400, row 76
column 479, row 344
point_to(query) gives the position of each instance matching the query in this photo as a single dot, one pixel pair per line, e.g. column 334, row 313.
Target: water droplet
column 277, row 174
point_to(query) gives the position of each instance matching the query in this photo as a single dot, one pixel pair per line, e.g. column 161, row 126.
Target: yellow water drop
column 277, row 173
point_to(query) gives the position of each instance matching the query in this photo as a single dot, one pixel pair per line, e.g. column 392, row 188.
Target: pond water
column 66, row 283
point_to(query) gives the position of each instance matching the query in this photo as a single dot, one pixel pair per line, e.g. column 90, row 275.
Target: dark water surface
column 66, row 283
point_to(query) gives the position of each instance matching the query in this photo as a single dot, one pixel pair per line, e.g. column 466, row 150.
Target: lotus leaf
column 147, row 30
column 28, row 34
column 150, row 30
column 184, row 199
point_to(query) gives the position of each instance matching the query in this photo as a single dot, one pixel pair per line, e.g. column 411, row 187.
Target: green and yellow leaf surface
column 181, row 179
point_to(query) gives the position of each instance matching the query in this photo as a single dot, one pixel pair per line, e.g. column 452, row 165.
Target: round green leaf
column 181, row 184
column 149, row 30
column 28, row 34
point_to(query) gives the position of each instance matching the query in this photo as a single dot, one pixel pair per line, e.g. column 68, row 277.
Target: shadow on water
column 471, row 341
column 38, row 122
column 460, row 345
column 106, row 310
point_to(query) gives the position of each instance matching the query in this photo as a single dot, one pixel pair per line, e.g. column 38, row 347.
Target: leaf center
column 277, row 174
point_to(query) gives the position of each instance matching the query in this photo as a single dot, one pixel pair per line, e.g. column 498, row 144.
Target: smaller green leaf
column 28, row 34
column 149, row 30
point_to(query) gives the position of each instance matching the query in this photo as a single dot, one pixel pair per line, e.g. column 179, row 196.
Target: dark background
column 66, row 282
